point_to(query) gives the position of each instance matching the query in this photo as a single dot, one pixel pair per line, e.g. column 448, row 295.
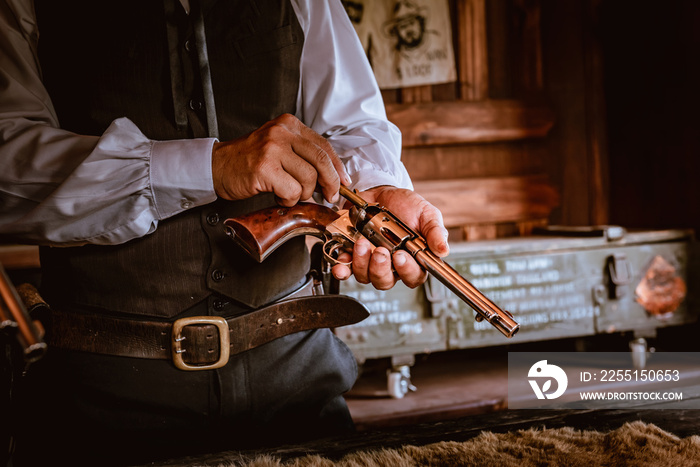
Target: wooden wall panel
column 476, row 160
column 490, row 200
column 482, row 160
column 470, row 122
column 472, row 56
column 574, row 88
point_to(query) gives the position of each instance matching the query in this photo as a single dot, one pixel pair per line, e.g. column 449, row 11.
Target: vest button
column 218, row 275
column 213, row 219
column 188, row 45
column 195, row 104
column 219, row 304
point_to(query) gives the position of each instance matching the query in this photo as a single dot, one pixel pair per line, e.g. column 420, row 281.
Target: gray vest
column 97, row 70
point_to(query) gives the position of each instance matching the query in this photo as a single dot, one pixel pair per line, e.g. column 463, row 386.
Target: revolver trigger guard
column 331, row 251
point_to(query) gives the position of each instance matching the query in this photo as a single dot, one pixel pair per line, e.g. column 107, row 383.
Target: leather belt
column 201, row 342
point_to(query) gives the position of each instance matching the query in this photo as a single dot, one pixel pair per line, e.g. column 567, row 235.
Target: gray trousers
column 93, row 409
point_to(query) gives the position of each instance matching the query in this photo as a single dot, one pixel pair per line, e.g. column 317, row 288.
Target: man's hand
column 283, row 157
column 376, row 267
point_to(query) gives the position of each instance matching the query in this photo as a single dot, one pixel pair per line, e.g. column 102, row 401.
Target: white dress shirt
column 63, row 189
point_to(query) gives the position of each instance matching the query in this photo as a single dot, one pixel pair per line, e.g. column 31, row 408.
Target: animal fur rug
column 633, row 444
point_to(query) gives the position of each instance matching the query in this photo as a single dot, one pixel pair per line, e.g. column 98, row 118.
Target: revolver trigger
column 331, row 251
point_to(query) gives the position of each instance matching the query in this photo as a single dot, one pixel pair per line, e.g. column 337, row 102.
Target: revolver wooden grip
column 261, row 232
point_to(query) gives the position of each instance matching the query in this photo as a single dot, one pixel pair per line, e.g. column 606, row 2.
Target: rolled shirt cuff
column 181, row 175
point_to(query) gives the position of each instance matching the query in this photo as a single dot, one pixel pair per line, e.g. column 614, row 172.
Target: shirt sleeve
column 64, row 189
column 340, row 99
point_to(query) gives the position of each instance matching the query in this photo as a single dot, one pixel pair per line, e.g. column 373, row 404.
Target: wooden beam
column 414, row 94
column 596, row 122
column 530, row 41
column 524, row 157
column 19, row 256
column 472, row 51
column 490, row 200
column 456, row 122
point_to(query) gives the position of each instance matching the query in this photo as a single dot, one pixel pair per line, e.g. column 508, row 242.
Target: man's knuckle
column 270, row 148
column 320, row 155
column 295, row 191
column 309, row 172
column 286, row 118
column 413, row 283
column 287, row 122
column 275, row 133
column 383, row 285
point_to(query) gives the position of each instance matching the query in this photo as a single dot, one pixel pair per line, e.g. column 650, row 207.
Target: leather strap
column 198, row 345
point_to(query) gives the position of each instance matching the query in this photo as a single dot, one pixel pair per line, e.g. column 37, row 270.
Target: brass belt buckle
column 176, row 341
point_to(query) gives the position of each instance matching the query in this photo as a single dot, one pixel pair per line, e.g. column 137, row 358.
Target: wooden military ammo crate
column 556, row 286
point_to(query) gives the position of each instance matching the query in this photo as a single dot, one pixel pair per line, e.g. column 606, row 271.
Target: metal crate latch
column 619, row 275
column 442, row 302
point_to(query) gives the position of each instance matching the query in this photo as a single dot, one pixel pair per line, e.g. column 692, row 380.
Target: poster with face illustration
column 408, row 42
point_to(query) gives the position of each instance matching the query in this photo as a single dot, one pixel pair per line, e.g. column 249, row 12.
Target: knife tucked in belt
column 201, row 342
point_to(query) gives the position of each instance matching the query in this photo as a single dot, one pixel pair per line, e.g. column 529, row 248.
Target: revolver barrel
column 391, row 232
column 486, row 309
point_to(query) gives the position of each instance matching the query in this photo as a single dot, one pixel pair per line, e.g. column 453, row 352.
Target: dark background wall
column 622, row 77
column 651, row 54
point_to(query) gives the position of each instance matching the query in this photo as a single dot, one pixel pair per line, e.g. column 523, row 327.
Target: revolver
column 261, row 232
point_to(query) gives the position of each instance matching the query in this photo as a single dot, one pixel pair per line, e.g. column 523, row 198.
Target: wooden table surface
column 459, row 395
